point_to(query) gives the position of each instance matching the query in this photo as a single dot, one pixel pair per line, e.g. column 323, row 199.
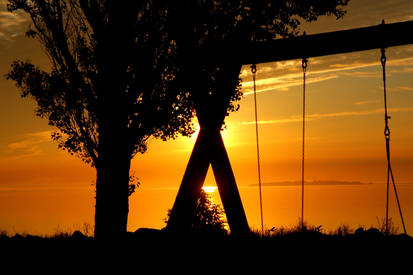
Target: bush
column 207, row 217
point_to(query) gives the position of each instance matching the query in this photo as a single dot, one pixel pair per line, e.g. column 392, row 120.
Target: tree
column 207, row 217
column 108, row 91
column 211, row 37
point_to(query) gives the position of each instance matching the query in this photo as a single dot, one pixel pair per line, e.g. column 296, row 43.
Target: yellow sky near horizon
column 344, row 140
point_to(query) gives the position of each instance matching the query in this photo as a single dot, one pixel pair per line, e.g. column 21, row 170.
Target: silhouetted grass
column 343, row 246
column 309, row 232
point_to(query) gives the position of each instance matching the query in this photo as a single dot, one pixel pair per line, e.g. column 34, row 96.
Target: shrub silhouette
column 207, row 217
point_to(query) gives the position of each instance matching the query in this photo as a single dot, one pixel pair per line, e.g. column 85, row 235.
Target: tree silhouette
column 207, row 217
column 210, row 36
column 109, row 89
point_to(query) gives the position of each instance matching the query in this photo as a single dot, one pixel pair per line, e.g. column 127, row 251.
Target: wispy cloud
column 318, row 116
column 30, row 145
column 11, row 24
column 246, row 72
column 280, row 77
column 405, row 88
column 282, row 83
column 402, row 70
column 365, row 102
column 361, row 74
column 398, row 88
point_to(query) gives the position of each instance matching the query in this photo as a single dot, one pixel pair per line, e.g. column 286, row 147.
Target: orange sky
column 43, row 189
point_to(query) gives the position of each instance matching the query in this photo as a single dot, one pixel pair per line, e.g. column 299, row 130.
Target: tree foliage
column 111, row 64
column 157, row 57
column 207, row 217
column 211, row 37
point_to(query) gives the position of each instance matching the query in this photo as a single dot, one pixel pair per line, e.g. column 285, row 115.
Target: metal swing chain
column 387, row 137
column 304, row 67
column 254, row 71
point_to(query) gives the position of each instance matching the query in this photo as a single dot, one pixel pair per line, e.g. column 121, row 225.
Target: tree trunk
column 113, row 164
column 112, row 200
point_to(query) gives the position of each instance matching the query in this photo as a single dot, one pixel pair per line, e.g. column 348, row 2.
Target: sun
column 209, row 189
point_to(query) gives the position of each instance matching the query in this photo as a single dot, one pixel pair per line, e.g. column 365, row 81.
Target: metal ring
column 253, row 68
column 387, row 132
column 304, row 63
column 383, row 55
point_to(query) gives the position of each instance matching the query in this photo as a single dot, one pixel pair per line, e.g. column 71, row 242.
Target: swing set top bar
column 360, row 39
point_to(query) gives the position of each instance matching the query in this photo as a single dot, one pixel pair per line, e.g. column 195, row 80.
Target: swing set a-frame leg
column 227, row 188
column 190, row 189
column 209, row 149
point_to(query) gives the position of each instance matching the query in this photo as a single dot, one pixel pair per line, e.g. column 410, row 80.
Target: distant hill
column 315, row 182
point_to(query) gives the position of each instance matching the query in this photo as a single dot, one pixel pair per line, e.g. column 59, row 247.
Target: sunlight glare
column 191, row 141
column 209, row 189
column 194, row 136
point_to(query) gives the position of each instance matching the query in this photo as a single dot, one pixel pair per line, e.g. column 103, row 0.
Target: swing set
column 210, row 149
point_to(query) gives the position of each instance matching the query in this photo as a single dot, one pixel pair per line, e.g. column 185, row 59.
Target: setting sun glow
column 43, row 188
column 209, row 189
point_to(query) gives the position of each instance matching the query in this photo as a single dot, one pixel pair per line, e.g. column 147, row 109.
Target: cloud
column 274, row 121
column 404, row 88
column 282, row 83
column 290, row 75
column 318, row 116
column 364, row 13
column 398, row 88
column 365, row 102
column 361, row 74
column 402, row 70
column 347, row 64
column 30, row 145
column 246, row 72
column 11, row 24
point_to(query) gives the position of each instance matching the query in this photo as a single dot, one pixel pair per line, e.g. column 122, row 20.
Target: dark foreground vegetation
column 209, row 244
column 209, row 237
column 275, row 237
column 364, row 250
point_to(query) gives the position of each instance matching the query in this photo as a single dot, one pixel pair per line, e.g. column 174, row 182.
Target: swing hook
column 304, row 60
column 253, row 68
column 304, row 63
column 387, row 132
column 383, row 56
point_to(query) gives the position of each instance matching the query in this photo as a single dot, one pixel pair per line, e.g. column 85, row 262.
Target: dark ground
column 364, row 251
